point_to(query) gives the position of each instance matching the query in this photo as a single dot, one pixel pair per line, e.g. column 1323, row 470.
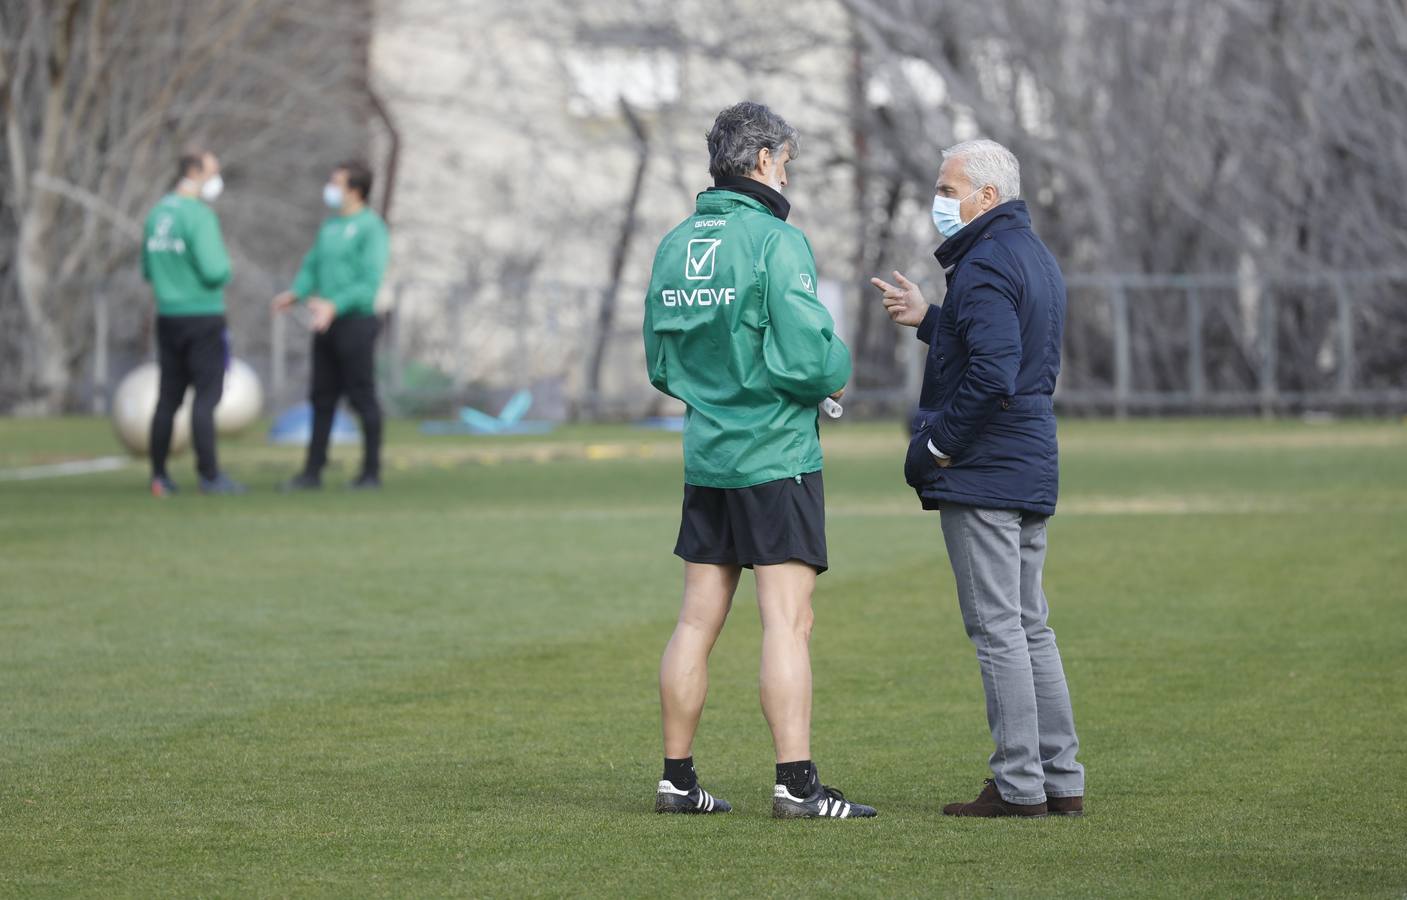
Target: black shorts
column 762, row 525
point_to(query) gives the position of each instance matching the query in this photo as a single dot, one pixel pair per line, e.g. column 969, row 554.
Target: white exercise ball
column 133, row 405
column 242, row 400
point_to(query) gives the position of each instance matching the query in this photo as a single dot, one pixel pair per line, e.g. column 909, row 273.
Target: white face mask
column 947, row 215
column 332, row 196
column 213, row 187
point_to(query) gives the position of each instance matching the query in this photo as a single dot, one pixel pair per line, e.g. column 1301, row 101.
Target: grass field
column 448, row 688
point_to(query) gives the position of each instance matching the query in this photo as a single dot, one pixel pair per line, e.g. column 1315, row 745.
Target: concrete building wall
column 516, row 162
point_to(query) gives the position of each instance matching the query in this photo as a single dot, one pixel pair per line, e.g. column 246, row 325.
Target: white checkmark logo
column 703, row 253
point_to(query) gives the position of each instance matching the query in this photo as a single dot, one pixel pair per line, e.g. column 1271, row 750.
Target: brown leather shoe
column 1066, row 806
column 990, row 805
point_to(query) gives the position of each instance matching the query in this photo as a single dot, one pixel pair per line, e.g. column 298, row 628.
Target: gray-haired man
column 734, row 329
column 984, row 452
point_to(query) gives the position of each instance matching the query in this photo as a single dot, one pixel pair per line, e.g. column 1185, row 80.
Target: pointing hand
column 904, row 303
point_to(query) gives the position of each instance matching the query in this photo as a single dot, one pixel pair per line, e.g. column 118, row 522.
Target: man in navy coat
column 984, row 453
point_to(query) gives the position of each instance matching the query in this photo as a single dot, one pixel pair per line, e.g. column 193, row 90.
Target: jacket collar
column 770, row 200
column 1003, row 217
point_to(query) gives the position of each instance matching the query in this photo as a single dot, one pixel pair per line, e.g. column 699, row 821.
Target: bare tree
column 610, row 295
column 98, row 99
column 1171, row 137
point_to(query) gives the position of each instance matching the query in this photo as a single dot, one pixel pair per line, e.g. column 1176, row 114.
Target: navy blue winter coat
column 993, row 354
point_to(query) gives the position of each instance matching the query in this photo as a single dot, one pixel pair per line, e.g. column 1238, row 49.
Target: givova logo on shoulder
column 700, row 262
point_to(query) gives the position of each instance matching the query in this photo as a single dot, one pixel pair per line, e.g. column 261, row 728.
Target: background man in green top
column 734, row 329
column 184, row 260
column 339, row 280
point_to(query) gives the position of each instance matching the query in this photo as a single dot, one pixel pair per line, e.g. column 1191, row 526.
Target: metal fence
column 1135, row 344
column 1275, row 343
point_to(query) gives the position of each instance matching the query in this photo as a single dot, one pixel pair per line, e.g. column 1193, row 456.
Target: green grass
column 448, row 688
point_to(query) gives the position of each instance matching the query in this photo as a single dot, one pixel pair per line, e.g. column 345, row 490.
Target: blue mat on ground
column 295, row 426
column 661, row 423
column 508, row 421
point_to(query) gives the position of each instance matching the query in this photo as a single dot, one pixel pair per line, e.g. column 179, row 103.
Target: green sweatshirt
column 733, row 328
column 184, row 258
column 346, row 263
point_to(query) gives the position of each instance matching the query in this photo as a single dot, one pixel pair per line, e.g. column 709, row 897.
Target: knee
column 704, row 621
column 205, row 403
column 170, row 393
column 168, row 402
column 1038, row 633
column 998, row 630
column 363, row 399
column 797, row 623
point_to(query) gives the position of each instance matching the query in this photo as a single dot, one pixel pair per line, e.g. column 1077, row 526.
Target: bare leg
column 708, row 595
column 784, row 600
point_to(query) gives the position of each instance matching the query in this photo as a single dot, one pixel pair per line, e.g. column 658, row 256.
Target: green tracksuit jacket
column 184, row 258
column 733, row 328
column 346, row 263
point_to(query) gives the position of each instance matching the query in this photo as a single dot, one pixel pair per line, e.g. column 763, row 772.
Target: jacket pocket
column 920, row 468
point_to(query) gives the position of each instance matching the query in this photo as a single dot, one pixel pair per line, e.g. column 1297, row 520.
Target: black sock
column 795, row 776
column 680, row 773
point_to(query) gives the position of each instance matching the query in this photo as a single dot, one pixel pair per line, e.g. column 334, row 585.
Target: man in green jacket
column 184, row 260
column 338, row 281
column 734, row 329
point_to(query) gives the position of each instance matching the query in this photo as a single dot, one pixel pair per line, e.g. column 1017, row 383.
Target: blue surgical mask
column 946, row 215
column 332, row 196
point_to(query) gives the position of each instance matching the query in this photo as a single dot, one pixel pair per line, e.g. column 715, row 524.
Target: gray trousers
column 997, row 556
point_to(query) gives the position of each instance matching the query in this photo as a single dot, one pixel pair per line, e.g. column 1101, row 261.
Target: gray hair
column 740, row 132
column 987, row 162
